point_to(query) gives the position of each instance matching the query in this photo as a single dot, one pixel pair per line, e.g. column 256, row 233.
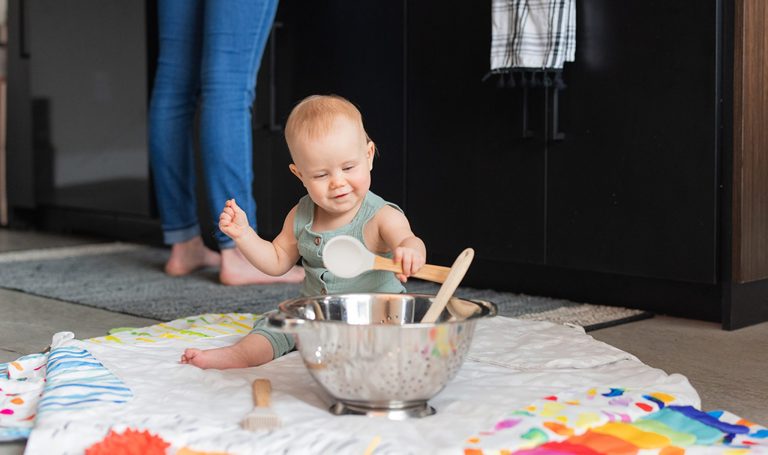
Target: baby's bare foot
column 219, row 359
column 236, row 271
column 186, row 257
column 252, row 350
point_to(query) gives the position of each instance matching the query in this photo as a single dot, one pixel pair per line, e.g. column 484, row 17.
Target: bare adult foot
column 236, row 271
column 251, row 350
column 186, row 257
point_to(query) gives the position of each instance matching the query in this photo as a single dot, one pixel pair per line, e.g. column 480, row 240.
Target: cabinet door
column 633, row 187
column 472, row 179
column 352, row 49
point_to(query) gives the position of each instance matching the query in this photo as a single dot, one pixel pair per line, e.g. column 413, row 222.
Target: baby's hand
column 233, row 221
column 411, row 259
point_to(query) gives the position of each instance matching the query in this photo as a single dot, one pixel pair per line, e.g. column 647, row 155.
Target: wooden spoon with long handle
column 444, row 294
column 347, row 257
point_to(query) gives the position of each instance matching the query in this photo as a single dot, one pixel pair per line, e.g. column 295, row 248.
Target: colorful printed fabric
column 199, row 409
column 71, row 379
column 615, row 420
column 21, row 384
column 67, row 378
column 191, row 328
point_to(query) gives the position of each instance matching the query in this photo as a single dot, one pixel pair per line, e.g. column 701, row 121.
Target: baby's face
column 335, row 168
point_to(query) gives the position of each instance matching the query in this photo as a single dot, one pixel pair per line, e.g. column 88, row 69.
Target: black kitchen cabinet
column 633, row 188
column 474, row 178
column 315, row 49
column 642, row 201
column 630, row 190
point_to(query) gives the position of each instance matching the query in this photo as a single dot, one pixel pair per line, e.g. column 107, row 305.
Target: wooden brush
column 261, row 416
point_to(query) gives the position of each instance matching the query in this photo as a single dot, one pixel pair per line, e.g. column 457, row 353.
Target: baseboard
column 114, row 226
column 745, row 304
column 674, row 298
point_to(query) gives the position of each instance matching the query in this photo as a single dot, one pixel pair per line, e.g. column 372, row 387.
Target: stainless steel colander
column 370, row 352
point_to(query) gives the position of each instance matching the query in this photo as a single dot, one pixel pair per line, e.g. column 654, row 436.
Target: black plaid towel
column 532, row 34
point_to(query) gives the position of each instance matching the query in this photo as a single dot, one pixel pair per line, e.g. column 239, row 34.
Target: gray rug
column 129, row 279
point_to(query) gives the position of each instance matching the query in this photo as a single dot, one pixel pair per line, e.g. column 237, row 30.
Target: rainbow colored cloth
column 617, row 421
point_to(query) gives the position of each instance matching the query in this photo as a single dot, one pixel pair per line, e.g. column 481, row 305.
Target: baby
column 333, row 157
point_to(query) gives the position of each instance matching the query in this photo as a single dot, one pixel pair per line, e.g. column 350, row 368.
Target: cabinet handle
column 556, row 88
column 23, row 25
column 273, row 125
column 527, row 133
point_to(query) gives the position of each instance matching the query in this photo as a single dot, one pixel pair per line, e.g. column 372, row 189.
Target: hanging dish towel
column 532, row 34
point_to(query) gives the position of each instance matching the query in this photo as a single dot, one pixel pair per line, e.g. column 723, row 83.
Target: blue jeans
column 210, row 50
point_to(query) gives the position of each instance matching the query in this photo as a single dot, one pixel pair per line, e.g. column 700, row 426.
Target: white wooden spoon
column 444, row 294
column 347, row 257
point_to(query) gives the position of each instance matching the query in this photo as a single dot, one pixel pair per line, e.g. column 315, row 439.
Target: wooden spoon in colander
column 444, row 294
column 347, row 257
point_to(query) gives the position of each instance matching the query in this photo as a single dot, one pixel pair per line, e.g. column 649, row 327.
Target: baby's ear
column 370, row 153
column 294, row 170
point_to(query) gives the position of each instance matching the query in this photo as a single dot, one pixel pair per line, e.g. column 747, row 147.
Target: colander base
column 418, row 410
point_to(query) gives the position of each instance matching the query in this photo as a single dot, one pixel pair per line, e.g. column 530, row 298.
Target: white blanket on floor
column 511, row 364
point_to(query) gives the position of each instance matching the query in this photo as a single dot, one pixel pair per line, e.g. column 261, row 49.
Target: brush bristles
column 261, row 416
column 260, row 419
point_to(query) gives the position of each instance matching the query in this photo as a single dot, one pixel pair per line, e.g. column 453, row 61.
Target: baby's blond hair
column 314, row 116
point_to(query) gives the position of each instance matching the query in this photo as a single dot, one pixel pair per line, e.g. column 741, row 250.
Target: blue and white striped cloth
column 76, row 380
column 67, row 379
column 532, row 34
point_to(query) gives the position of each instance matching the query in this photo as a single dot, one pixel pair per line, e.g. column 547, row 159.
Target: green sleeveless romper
column 318, row 280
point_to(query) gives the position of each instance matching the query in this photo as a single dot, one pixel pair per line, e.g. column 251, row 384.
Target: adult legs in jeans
column 209, row 49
